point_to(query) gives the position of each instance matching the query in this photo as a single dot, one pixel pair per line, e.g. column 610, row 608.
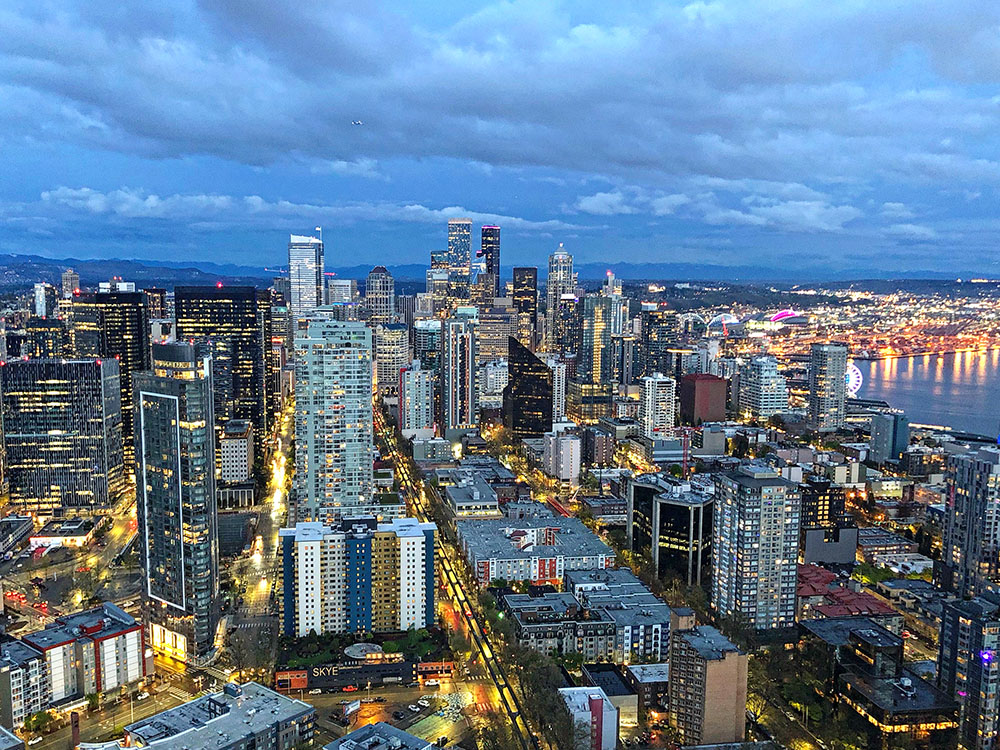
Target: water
column 961, row 391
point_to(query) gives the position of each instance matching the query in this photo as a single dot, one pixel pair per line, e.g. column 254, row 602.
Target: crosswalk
column 245, row 625
column 181, row 695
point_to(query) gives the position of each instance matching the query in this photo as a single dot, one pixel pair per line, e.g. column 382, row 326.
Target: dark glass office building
column 63, row 434
column 489, row 251
column 232, row 324
column 176, row 503
column 659, row 337
column 527, row 397
column 526, row 304
column 673, row 525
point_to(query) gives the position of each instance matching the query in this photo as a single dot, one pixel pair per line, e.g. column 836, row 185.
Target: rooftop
column 905, row 694
column 65, row 527
column 491, row 538
column 873, row 535
column 644, row 673
column 10, row 741
column 578, row 698
column 836, row 631
column 606, row 677
column 104, row 622
column 379, row 736
column 15, row 653
column 217, row 719
column 708, row 642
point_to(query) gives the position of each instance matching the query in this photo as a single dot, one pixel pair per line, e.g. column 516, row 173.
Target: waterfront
column 960, row 390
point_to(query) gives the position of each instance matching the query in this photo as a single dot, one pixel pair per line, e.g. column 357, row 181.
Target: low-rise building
column 94, row 651
column 535, row 550
column 650, row 682
column 557, row 623
column 240, row 717
column 877, row 541
column 608, row 677
column 822, row 593
column 595, row 715
column 380, row 736
column 63, row 532
column 23, row 683
column 471, row 497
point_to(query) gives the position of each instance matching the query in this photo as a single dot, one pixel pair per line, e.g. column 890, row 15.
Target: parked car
column 349, row 688
column 415, row 709
column 315, row 691
column 397, row 715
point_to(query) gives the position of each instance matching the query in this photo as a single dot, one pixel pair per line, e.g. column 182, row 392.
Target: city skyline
column 686, row 138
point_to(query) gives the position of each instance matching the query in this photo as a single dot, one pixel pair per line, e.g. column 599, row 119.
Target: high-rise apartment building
column 305, row 275
column 497, row 323
column 358, row 576
column 558, row 369
column 763, row 391
column 458, row 371
column 971, row 541
column 392, row 353
column 827, row 386
column 708, row 684
column 657, row 404
column 561, row 281
column 380, row 296
column 427, row 343
column 333, row 417
column 62, row 427
column 233, row 325
column 176, row 503
column 416, row 400
column 969, row 668
column 624, row 348
column 526, row 305
column 489, row 251
column 460, row 246
column 527, row 398
column 756, row 538
column 890, row 436
column 659, row 336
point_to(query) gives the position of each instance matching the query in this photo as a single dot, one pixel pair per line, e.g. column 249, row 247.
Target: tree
column 495, row 732
column 93, row 701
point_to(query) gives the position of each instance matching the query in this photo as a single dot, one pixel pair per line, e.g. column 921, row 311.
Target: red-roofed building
column 822, row 593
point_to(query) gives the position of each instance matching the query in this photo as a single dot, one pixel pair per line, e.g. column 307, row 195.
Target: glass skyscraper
column 527, row 398
column 176, row 503
column 460, row 246
column 489, row 251
column 526, row 304
column 305, row 275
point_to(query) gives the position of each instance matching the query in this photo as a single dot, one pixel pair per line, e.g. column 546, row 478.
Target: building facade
column 827, row 386
column 763, row 391
column 416, row 401
column 657, row 404
column 525, row 290
column 527, row 398
column 971, row 540
column 305, row 275
column 380, row 296
column 458, row 372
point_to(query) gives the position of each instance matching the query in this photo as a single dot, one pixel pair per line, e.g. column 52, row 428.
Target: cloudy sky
column 852, row 134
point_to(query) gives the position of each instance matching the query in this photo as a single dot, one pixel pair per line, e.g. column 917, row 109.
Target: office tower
column 656, row 405
column 380, row 296
column 427, row 343
column 708, row 684
column 558, row 369
column 62, row 425
column 282, row 285
column 527, row 399
column 460, row 246
column 586, row 403
column 406, row 309
column 672, row 523
column 305, row 275
column 233, row 324
column 333, row 417
column 567, row 336
column 156, row 302
column 595, row 361
column 482, row 292
column 497, row 323
column 341, row 290
column 969, row 667
column 756, row 537
column 623, row 358
column 762, row 392
column 416, row 401
column 392, row 353
column 440, row 260
column 526, row 305
column 281, row 322
column 176, row 502
column 45, row 338
column 489, row 251
column 437, row 287
column 658, row 334
column 358, row 576
column 890, row 437
column 70, row 283
column 458, row 372
column 827, row 386
column 561, row 281
column 44, row 300
column 971, row 541
column 703, row 398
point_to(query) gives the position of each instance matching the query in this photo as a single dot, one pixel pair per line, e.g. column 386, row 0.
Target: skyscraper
column 70, row 283
column 458, row 371
column 601, row 315
column 971, row 541
column 561, row 280
column 763, row 391
column 656, row 404
column 416, row 400
column 827, row 386
column 658, row 337
column 176, row 502
column 341, row 290
column 427, row 343
column 44, row 300
column 558, row 369
column 392, row 353
column 233, row 324
column 489, row 251
column 756, row 537
column 527, row 399
column 380, row 296
column 526, row 304
column 460, row 246
column 567, row 335
column 305, row 275
column 333, row 417
column 969, row 668
column 497, row 323
column 62, row 427
column 890, row 436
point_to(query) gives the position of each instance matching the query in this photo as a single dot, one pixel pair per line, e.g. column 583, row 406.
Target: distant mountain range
column 21, row 271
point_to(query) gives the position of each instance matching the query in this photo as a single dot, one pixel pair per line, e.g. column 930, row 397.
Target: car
column 35, row 740
column 379, row 699
column 349, row 689
column 415, row 709
column 397, row 715
column 413, row 684
column 424, row 702
column 142, row 696
column 432, row 683
column 315, row 691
